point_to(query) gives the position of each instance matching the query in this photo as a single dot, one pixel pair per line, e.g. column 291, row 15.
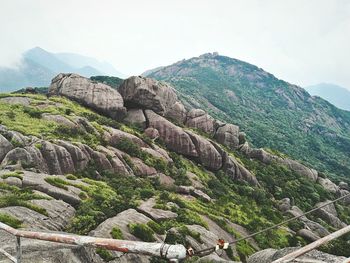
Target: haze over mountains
column 39, row 66
column 335, row 94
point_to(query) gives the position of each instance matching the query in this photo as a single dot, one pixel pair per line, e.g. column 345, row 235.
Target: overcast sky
column 302, row 41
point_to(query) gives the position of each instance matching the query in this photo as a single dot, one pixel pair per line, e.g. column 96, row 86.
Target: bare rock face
column 284, row 204
column 228, row 135
column 136, row 117
column 237, row 171
column 114, row 136
column 267, row 158
column 328, row 185
column 17, row 155
column 199, row 119
column 315, row 227
column 308, row 235
column 152, row 133
column 60, row 120
column 155, row 213
column 5, row 147
column 301, row 169
column 330, row 215
column 150, row 94
column 37, row 158
column 142, row 169
column 80, row 159
column 177, row 113
column 269, row 255
column 173, row 136
column 209, row 157
column 97, row 96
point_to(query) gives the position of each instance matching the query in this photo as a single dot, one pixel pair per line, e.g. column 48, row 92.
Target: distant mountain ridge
column 335, row 94
column 39, row 66
column 272, row 112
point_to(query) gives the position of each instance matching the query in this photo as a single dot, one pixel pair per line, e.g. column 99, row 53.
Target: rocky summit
column 136, row 163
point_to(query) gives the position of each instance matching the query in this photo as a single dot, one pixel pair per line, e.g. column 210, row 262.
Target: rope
column 274, row 226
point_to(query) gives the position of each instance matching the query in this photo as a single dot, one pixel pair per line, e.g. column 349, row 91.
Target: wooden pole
column 313, row 245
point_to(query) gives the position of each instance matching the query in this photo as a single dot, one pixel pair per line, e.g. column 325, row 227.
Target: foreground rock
column 97, row 96
column 269, row 255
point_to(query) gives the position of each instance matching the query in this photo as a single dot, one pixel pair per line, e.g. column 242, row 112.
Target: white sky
column 302, row 41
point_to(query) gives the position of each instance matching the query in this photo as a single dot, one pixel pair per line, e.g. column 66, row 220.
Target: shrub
column 146, row 193
column 105, row 254
column 156, row 227
column 116, row 233
column 142, row 231
column 71, row 177
column 32, row 112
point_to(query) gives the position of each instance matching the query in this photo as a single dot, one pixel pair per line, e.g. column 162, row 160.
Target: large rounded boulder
column 146, row 93
column 97, row 96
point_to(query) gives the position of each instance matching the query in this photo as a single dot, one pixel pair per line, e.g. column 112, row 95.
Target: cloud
column 303, row 42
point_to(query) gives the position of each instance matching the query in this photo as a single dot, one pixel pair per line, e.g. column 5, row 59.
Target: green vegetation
column 272, row 112
column 105, row 254
column 10, row 220
column 142, row 231
column 116, row 233
column 114, row 82
column 16, row 174
column 14, row 196
column 58, row 182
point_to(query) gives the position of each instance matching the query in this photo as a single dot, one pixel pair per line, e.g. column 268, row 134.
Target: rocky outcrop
column 228, row 135
column 237, row 171
column 17, row 155
column 208, row 156
column 97, row 96
column 284, row 205
column 199, row 119
column 156, row 214
column 58, row 159
column 136, row 117
column 267, row 158
column 150, row 94
column 141, row 169
column 152, row 133
column 269, row 255
column 5, row 147
column 175, row 138
column 308, row 235
column 190, row 190
column 316, row 228
column 113, row 137
column 59, row 119
column 329, row 214
column 328, row 185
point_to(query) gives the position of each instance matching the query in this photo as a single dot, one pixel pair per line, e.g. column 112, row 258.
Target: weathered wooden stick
column 313, row 245
column 167, row 251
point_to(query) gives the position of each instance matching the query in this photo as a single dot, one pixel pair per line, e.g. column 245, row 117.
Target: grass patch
column 13, row 174
column 58, row 182
column 10, row 220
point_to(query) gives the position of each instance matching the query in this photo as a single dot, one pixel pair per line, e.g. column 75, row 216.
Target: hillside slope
column 335, row 94
column 158, row 173
column 272, row 112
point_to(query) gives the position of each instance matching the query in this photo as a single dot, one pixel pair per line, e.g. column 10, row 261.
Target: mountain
column 39, row 66
column 335, row 94
column 134, row 164
column 272, row 112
